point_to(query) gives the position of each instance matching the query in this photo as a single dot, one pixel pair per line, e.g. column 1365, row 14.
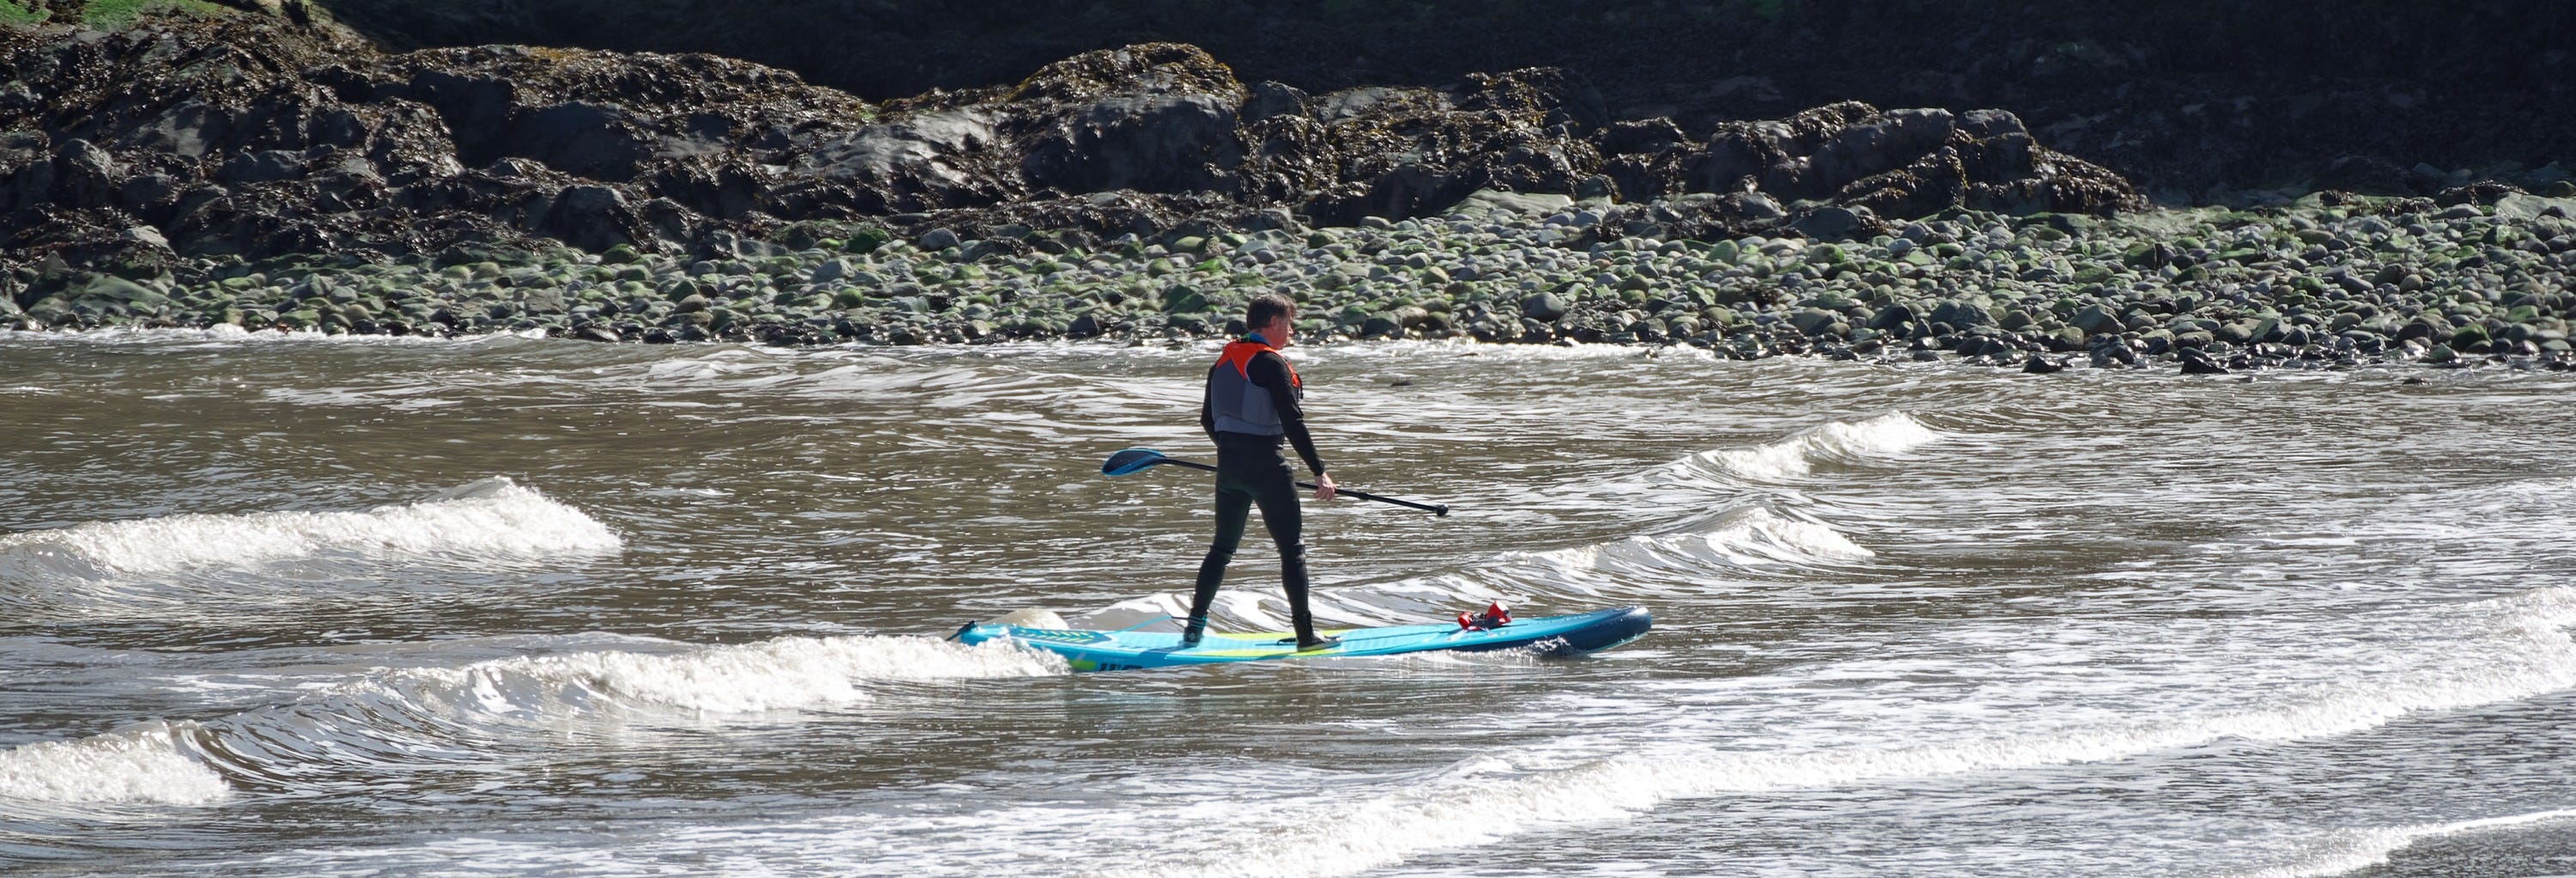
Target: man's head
column 1273, row 316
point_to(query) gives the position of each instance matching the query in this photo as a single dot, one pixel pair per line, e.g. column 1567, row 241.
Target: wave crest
column 428, row 717
column 1841, row 441
column 783, row 674
column 488, row 517
column 2351, row 850
column 1748, row 537
column 146, row 763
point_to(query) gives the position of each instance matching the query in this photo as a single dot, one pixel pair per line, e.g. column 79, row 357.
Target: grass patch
column 12, row 13
column 109, row 14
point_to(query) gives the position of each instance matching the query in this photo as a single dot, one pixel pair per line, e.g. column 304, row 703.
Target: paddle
column 1136, row 460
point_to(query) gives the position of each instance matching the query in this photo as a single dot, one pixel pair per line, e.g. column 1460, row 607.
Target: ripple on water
column 1904, row 615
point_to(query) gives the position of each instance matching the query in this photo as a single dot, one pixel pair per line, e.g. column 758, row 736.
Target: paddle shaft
column 1430, row 508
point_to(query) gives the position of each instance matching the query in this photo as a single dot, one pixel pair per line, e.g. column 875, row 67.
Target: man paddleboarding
column 1250, row 409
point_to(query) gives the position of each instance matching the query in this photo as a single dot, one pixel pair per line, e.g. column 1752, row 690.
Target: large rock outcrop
column 2185, row 97
column 136, row 151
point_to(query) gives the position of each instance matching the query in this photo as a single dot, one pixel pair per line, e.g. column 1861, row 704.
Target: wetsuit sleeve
column 1207, row 410
column 1270, row 373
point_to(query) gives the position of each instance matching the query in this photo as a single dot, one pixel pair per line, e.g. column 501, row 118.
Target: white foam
column 2341, row 851
column 1248, row 608
column 225, row 333
column 738, row 368
column 1753, row 536
column 143, row 764
column 490, row 517
column 151, row 763
column 2511, row 648
column 1643, row 567
column 2538, row 503
column 1500, row 352
column 1638, row 568
column 1030, row 617
column 1889, row 434
column 1136, row 612
column 401, row 399
column 783, row 674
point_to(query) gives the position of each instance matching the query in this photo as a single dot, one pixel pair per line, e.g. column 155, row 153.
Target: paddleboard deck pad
column 1132, row 650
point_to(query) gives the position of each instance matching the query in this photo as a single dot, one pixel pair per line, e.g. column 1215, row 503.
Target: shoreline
column 2327, row 280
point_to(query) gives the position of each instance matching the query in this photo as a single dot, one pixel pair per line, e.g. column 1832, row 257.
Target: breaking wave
column 2350, row 850
column 414, row 717
column 488, row 517
column 142, row 763
column 1833, row 441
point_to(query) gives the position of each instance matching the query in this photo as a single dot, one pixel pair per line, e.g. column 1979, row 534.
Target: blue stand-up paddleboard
column 1129, row 650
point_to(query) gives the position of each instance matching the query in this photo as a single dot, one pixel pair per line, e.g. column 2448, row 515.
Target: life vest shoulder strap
column 1239, row 354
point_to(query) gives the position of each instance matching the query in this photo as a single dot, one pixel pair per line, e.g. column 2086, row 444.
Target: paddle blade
column 1131, row 460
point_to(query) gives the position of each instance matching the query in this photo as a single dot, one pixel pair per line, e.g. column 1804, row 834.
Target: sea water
column 289, row 605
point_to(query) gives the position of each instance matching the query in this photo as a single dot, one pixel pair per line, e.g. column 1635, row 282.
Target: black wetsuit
column 1251, row 472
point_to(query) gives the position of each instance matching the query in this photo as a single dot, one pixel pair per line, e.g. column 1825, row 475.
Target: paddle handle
column 1441, row 510
column 1434, row 509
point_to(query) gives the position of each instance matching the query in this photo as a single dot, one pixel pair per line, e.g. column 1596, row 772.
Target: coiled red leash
column 1495, row 616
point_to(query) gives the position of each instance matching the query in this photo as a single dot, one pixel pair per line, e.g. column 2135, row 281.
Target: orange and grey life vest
column 1239, row 405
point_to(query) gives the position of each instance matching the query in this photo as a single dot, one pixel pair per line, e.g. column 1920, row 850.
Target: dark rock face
column 1153, row 118
column 2179, row 95
column 249, row 138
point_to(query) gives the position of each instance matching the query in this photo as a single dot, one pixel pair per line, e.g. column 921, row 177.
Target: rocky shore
column 2189, row 98
column 140, row 149
column 268, row 173
column 2328, row 282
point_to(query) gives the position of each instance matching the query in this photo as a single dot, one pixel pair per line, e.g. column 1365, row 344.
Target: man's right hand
column 1324, row 486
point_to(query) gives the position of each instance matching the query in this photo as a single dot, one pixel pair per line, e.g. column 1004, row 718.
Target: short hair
column 1266, row 307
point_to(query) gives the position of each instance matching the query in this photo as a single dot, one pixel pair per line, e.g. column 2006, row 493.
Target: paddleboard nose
column 1624, row 624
